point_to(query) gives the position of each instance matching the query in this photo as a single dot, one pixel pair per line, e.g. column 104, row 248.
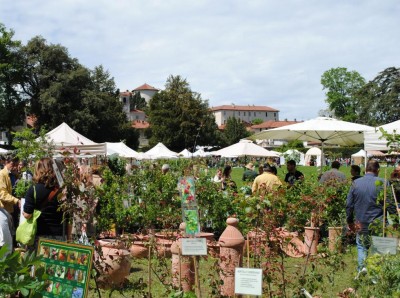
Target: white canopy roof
column 161, row 151
column 63, row 135
column 373, row 140
column 360, row 153
column 314, row 151
column 3, row 151
column 244, row 148
column 185, row 153
column 121, row 149
column 201, row 153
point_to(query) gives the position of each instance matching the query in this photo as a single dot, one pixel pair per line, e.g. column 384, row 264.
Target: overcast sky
column 243, row 52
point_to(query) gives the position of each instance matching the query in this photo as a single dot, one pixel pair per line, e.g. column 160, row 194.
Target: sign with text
column 194, row 247
column 68, row 266
column 248, row 281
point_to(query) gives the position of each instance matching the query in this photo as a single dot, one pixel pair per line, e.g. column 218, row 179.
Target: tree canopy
column 180, row 118
column 379, row 99
column 341, row 86
column 56, row 88
column 234, row 131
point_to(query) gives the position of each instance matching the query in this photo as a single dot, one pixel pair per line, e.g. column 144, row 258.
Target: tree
column 11, row 103
column 379, row 99
column 234, row 131
column 60, row 89
column 180, row 118
column 341, row 86
column 256, row 121
column 137, row 102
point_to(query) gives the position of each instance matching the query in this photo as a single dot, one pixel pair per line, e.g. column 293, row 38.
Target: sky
column 253, row 52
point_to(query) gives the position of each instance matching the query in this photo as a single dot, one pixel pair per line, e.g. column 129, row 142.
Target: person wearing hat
column 266, row 181
column 249, row 174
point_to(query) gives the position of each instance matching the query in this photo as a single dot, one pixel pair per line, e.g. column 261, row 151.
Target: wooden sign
column 68, row 267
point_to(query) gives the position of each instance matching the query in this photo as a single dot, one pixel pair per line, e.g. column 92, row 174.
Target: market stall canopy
column 316, row 152
column 63, row 135
column 3, row 151
column 360, row 153
column 121, row 149
column 185, row 153
column 322, row 129
column 201, row 153
column 244, row 148
column 375, row 153
column 373, row 139
column 161, row 151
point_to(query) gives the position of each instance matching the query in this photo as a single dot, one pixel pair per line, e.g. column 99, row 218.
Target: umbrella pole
column 322, row 157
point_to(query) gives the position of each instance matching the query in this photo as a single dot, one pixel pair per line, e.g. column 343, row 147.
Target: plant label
column 248, row 281
column 194, row 247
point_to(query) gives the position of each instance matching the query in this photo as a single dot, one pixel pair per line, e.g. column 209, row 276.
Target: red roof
column 273, row 124
column 145, row 87
column 137, row 111
column 140, row 124
column 126, row 93
column 244, row 108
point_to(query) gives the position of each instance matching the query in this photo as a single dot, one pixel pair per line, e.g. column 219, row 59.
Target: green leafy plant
column 15, row 274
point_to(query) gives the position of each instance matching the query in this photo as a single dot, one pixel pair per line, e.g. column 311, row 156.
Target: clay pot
column 182, row 268
column 163, row 243
column 311, row 237
column 213, row 249
column 231, row 256
column 257, row 243
column 114, row 264
column 335, row 238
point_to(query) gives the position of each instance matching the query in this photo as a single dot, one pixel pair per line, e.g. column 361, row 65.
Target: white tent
column 313, row 153
column 185, row 153
column 63, row 135
column 373, row 139
column 291, row 154
column 201, row 153
column 244, row 148
column 360, row 153
column 121, row 149
column 161, row 151
column 3, row 151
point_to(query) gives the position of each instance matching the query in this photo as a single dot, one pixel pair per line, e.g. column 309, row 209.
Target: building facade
column 245, row 113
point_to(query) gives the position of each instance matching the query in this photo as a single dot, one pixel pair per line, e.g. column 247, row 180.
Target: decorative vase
column 335, row 238
column 231, row 256
column 257, row 243
column 139, row 246
column 311, row 237
column 113, row 264
column 164, row 241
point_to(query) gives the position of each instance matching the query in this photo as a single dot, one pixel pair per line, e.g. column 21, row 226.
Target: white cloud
column 244, row 52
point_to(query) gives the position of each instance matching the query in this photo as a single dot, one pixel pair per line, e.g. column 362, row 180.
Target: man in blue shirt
column 362, row 203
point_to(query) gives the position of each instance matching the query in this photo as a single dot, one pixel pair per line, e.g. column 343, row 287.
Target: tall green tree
column 180, row 118
column 60, row 89
column 137, row 102
column 234, row 131
column 379, row 99
column 11, row 102
column 341, row 86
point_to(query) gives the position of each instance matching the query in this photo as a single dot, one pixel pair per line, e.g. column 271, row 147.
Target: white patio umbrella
column 161, row 151
column 3, row 151
column 201, row 153
column 244, row 148
column 323, row 129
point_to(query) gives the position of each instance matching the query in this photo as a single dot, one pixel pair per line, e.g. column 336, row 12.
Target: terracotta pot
column 311, row 237
column 182, row 268
column 257, row 243
column 213, row 249
column 138, row 245
column 231, row 256
column 163, row 243
column 335, row 238
column 114, row 264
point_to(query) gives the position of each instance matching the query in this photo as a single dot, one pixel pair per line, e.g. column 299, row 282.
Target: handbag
column 26, row 231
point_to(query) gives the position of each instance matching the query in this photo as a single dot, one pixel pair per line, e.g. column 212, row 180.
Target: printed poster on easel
column 190, row 212
column 68, row 266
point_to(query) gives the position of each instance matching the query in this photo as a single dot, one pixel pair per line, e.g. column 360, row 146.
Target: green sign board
column 68, row 267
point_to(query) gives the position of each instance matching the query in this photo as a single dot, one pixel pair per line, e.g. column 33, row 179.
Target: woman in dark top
column 43, row 196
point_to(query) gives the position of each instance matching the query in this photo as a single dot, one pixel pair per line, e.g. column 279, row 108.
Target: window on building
column 254, row 114
column 239, row 113
column 266, row 114
column 244, row 113
column 124, row 100
column 274, row 114
column 224, row 113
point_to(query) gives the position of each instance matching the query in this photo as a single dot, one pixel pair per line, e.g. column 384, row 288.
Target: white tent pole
column 322, row 156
